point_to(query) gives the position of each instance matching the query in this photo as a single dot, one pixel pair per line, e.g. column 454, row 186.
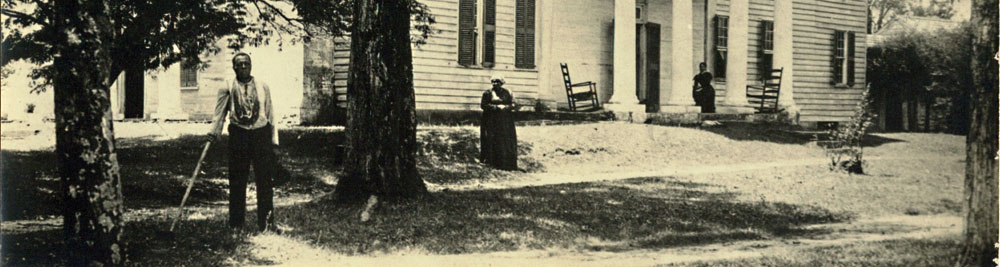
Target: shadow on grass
column 782, row 134
column 612, row 216
column 154, row 172
column 195, row 243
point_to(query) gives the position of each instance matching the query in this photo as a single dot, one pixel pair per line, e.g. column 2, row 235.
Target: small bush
column 845, row 142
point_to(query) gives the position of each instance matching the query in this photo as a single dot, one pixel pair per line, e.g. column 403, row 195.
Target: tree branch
column 278, row 11
column 298, row 23
column 20, row 15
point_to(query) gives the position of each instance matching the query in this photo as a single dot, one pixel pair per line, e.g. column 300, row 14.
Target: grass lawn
column 736, row 202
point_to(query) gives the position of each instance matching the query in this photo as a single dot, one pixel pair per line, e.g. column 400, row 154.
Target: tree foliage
column 940, row 9
column 882, row 12
column 932, row 64
column 154, row 34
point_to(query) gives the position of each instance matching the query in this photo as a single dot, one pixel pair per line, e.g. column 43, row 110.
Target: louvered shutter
column 467, row 32
column 721, row 25
column 524, row 34
column 851, row 59
column 837, row 57
column 765, row 54
column 489, row 32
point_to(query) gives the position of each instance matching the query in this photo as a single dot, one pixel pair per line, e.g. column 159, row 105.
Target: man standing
column 252, row 140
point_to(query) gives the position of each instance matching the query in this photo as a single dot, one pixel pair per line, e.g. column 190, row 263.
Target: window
column 843, row 59
column 722, row 25
column 489, row 32
column 189, row 75
column 768, row 36
column 467, row 32
column 767, row 43
column 524, row 46
column 524, row 31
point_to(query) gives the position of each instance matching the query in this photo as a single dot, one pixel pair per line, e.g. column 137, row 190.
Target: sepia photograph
column 499, row 133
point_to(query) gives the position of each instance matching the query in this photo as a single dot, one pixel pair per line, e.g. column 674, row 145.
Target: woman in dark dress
column 498, row 139
column 703, row 91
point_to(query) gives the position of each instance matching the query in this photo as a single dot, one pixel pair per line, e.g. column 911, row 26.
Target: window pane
column 189, row 75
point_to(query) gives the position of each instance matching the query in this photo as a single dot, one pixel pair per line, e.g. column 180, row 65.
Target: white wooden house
column 637, row 51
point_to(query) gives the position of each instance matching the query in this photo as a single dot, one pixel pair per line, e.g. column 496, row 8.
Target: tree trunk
column 85, row 146
column 981, row 230
column 382, row 128
column 912, row 114
column 928, row 103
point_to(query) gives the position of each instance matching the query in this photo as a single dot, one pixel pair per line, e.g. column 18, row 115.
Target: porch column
column 678, row 97
column 736, row 61
column 783, row 54
column 623, row 101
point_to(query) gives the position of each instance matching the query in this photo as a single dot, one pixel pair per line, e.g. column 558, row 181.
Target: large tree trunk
column 85, row 146
column 382, row 128
column 982, row 142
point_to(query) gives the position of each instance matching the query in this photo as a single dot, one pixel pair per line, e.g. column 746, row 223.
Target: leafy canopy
column 153, row 33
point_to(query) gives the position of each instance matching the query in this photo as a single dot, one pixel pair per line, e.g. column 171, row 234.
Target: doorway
column 648, row 65
column 134, row 93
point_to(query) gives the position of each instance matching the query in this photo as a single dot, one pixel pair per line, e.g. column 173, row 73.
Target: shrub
column 845, row 141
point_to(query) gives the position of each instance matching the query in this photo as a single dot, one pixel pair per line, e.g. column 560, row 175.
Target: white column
column 736, row 61
column 783, row 53
column 623, row 98
column 169, row 93
column 550, row 90
column 679, row 94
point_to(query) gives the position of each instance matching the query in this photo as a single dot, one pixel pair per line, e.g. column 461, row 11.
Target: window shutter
column 721, row 25
column 765, row 54
column 525, row 34
column 467, row 32
column 836, row 57
column 489, row 32
column 851, row 59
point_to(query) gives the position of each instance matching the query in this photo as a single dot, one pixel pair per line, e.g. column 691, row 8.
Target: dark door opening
column 648, row 65
column 134, row 87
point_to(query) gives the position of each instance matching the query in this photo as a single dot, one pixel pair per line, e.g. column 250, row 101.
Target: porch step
column 739, row 117
column 700, row 118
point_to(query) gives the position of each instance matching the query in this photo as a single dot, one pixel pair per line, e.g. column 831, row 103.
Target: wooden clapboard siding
column 757, row 11
column 342, row 64
column 441, row 83
column 814, row 23
column 582, row 36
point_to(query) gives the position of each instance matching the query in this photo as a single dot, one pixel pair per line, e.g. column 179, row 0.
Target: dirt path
column 551, row 178
column 286, row 251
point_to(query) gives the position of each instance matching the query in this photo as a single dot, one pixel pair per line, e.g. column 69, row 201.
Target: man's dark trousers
column 246, row 147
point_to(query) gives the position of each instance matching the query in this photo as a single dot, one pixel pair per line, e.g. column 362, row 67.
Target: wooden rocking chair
column 582, row 98
column 766, row 96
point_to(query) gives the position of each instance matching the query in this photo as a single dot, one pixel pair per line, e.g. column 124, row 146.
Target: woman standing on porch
column 498, row 138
